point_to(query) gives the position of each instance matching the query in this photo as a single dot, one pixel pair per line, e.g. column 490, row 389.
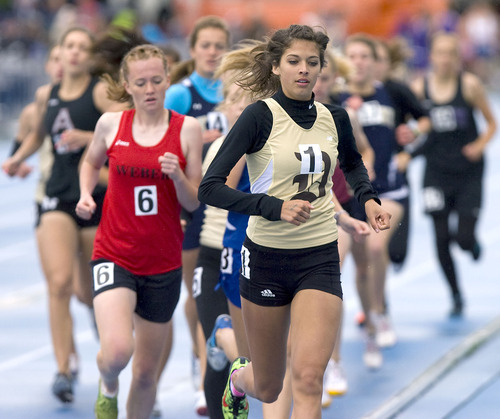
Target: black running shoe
column 63, row 388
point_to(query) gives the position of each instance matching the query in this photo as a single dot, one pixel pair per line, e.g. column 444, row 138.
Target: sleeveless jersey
column 234, row 234
column 296, row 163
column 377, row 117
column 61, row 115
column 453, row 126
column 140, row 228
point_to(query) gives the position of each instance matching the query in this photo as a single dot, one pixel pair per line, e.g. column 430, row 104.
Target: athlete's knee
column 116, row 356
column 60, row 286
column 145, row 374
column 308, row 379
column 378, row 250
column 268, row 391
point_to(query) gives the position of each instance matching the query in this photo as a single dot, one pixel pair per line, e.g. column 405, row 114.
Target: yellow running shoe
column 234, row 407
column 106, row 407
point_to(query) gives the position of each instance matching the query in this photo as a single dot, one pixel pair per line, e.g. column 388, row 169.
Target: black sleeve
column 350, row 159
column 247, row 136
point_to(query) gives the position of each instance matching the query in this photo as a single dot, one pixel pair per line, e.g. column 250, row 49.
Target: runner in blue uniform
column 195, row 92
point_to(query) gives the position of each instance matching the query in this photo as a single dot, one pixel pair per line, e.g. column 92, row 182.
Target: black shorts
column 157, row 295
column 461, row 192
column 55, row 204
column 272, row 277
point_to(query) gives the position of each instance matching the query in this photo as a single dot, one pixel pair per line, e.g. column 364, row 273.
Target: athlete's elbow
column 204, row 192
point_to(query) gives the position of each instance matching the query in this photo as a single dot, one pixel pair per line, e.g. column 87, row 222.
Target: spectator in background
column 479, row 31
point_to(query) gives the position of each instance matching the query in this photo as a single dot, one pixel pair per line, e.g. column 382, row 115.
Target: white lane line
column 23, row 297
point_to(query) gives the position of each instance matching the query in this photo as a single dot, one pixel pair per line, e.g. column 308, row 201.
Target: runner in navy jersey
column 454, row 153
column 290, row 255
column 195, row 92
column 407, row 107
column 324, row 90
column 376, row 111
column 67, row 112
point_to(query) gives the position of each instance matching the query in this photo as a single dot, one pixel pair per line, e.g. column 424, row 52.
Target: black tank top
column 453, row 126
column 62, row 115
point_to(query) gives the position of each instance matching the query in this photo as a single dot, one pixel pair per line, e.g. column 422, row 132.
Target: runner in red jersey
column 155, row 168
column 141, row 203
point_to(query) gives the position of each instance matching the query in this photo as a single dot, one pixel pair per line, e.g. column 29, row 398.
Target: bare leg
column 281, row 408
column 150, row 341
column 267, row 329
column 58, row 243
column 167, row 349
column 314, row 329
column 378, row 245
column 114, row 314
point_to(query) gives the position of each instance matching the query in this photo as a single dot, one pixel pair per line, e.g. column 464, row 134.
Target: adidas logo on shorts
column 267, row 293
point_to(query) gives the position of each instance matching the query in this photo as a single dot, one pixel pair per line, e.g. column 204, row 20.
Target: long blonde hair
column 116, row 90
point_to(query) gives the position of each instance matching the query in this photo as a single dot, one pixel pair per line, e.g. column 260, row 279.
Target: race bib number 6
column 146, row 200
column 103, row 275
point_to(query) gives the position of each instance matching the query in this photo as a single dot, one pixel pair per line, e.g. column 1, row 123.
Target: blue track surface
column 418, row 298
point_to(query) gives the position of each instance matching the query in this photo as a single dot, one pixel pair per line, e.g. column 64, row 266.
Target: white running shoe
column 326, row 399
column 372, row 356
column 156, row 412
column 200, row 404
column 386, row 336
column 335, row 379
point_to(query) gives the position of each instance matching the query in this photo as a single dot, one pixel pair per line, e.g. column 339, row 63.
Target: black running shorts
column 157, row 295
column 272, row 277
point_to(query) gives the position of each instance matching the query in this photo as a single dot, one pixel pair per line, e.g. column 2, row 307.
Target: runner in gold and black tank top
column 290, row 254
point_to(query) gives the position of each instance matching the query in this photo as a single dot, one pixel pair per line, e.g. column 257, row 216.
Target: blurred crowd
column 29, row 27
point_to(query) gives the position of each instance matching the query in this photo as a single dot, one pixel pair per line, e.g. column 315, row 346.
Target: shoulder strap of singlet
column 54, row 90
column 125, row 125
column 175, row 122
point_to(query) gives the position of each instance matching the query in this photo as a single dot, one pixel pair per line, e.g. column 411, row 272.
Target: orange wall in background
column 377, row 17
